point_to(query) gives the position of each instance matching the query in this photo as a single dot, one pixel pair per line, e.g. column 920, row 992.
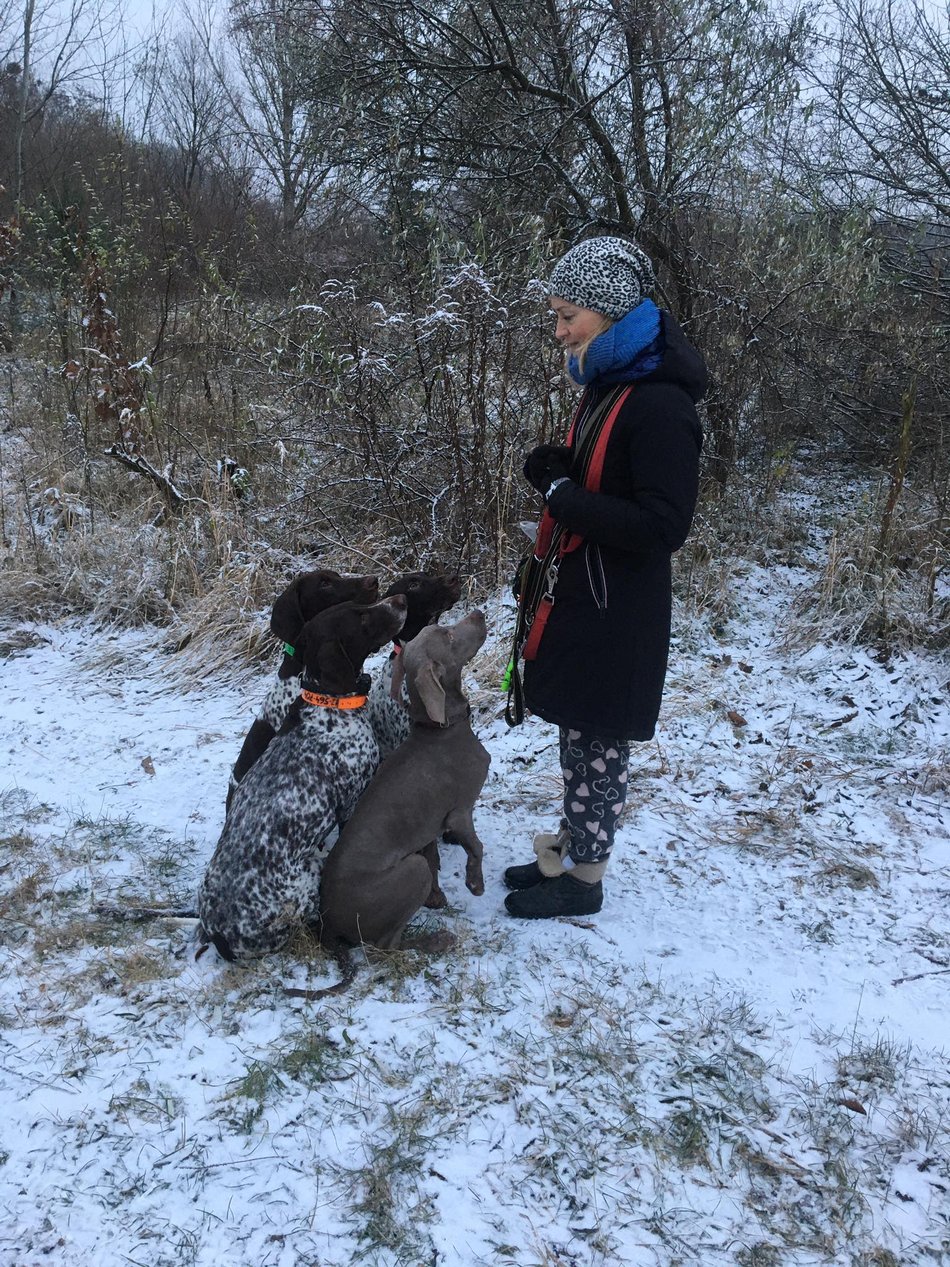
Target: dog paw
column 436, row 899
column 430, row 943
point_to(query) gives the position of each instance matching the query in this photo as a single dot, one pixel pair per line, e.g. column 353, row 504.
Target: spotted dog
column 428, row 595
column 263, row 880
column 307, row 596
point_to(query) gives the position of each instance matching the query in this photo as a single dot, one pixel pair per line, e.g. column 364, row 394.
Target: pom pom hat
column 608, row 275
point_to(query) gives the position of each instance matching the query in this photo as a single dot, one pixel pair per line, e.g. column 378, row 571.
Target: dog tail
column 348, row 969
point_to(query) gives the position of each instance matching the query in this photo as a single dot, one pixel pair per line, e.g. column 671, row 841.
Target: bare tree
column 883, row 88
column 191, row 115
column 623, row 113
column 888, row 121
column 262, row 71
column 50, row 49
column 59, row 48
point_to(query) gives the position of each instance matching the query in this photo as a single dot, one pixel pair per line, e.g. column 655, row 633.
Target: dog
column 263, row 880
column 428, row 595
column 306, row 596
column 379, row 872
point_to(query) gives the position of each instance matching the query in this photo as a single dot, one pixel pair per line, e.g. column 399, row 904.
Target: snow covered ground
column 741, row 1060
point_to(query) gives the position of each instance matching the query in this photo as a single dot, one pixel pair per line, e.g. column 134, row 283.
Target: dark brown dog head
column 428, row 594
column 312, row 593
column 334, row 644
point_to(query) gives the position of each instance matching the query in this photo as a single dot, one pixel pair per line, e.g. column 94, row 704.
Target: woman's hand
column 545, row 464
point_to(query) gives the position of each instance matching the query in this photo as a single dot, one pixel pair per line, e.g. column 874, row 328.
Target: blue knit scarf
column 631, row 348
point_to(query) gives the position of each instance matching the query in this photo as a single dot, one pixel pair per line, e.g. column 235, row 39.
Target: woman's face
column 575, row 325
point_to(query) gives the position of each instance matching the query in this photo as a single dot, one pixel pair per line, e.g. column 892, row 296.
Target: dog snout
column 398, row 606
column 399, row 610
column 471, row 632
column 370, row 587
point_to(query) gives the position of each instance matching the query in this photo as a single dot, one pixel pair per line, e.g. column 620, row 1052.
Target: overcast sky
column 96, row 20
column 96, row 32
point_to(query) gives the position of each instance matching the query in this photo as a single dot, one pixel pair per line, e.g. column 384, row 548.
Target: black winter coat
column 602, row 659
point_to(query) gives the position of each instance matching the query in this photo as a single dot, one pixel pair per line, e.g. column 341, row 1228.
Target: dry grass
column 84, row 536
column 703, row 575
column 890, row 598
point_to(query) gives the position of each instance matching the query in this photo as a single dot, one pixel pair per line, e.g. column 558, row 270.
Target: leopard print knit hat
column 608, row 275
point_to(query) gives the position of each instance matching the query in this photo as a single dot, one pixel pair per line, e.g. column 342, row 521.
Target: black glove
column 545, row 464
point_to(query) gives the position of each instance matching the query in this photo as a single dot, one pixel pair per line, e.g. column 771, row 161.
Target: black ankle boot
column 525, row 877
column 563, row 895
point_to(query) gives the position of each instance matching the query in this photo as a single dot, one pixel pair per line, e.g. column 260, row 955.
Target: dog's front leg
column 459, row 823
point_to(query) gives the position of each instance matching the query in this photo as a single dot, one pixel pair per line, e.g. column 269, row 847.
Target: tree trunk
column 18, row 181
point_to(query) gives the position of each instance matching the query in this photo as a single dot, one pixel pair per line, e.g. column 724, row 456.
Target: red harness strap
column 541, row 616
column 592, row 478
column 569, row 540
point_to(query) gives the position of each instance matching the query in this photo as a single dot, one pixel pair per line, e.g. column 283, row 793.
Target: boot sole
column 582, row 908
column 552, row 914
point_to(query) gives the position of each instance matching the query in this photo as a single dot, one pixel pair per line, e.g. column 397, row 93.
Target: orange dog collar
column 333, row 701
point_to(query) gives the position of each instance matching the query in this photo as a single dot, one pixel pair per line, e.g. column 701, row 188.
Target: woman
column 595, row 598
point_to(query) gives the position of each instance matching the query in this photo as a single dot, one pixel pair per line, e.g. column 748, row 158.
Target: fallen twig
column 135, row 462
column 839, row 721
column 916, row 976
column 140, row 914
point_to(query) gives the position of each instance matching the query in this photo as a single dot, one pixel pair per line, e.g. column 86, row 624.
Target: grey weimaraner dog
column 263, row 880
column 428, row 595
column 378, row 874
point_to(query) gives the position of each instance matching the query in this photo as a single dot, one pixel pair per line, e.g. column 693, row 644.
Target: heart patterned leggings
column 595, row 789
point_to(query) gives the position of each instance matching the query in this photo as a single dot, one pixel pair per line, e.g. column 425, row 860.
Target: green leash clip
column 506, row 680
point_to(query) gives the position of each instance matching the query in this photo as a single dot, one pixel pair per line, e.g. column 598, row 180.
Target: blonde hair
column 581, row 353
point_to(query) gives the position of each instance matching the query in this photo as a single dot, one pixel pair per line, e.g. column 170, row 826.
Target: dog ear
column 334, row 666
column 301, row 645
column 399, row 674
column 431, row 692
column 286, row 617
